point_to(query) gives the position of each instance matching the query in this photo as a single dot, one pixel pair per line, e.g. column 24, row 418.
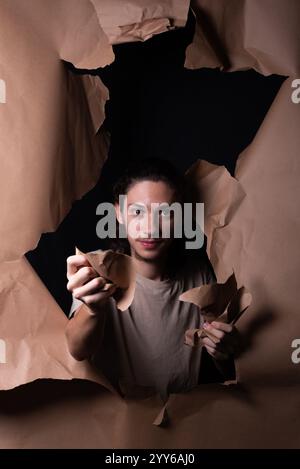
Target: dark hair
column 152, row 169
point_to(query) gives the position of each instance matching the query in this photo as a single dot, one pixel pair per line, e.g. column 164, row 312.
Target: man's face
column 148, row 217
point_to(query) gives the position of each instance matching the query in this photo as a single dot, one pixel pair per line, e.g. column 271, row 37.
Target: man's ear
column 118, row 213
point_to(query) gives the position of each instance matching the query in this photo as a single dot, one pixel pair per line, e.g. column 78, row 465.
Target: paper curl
column 116, row 268
column 222, row 301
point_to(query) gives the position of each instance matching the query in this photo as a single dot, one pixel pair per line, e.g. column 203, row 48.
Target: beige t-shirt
column 144, row 345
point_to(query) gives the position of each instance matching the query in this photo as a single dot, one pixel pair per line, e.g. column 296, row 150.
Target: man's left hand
column 223, row 340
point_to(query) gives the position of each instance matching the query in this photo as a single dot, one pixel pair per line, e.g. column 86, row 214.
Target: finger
column 84, row 275
column 220, row 347
column 207, row 341
column 231, row 337
column 74, row 263
column 97, row 297
column 93, row 286
column 215, row 334
column 222, row 326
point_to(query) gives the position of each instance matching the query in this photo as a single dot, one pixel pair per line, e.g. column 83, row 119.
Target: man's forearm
column 85, row 331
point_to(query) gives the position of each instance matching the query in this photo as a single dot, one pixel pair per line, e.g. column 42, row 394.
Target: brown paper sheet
column 53, row 149
column 259, row 243
column 219, row 301
column 118, row 269
column 219, row 191
column 51, row 154
column 210, row 416
column 269, row 263
column 138, row 20
column 32, row 326
column 49, row 121
column 253, row 228
column 211, row 299
column 242, row 34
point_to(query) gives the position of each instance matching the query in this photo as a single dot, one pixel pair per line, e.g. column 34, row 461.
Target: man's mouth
column 150, row 243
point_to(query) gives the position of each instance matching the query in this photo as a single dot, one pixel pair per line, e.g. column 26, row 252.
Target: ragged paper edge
column 33, row 327
column 140, row 23
column 239, row 301
column 213, row 48
column 125, row 298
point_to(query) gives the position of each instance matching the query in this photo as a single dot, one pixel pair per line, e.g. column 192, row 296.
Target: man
column 144, row 345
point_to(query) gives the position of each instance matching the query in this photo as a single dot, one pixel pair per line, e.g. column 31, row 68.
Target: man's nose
column 152, row 227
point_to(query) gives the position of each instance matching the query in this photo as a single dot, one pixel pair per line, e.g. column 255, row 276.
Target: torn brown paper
column 32, row 330
column 219, row 191
column 44, row 169
column 260, row 243
column 51, row 150
column 242, row 34
column 139, row 20
column 50, row 121
column 117, row 269
column 52, row 414
column 219, row 301
column 213, row 298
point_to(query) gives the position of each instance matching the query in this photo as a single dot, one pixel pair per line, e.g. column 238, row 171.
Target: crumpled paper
column 39, row 124
column 241, row 34
column 259, row 242
column 53, row 150
column 60, row 410
column 51, row 132
column 139, row 20
column 33, row 328
column 218, row 301
column 219, row 191
column 53, row 145
column 117, row 269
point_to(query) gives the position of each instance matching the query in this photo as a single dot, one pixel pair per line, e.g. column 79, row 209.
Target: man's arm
column 85, row 329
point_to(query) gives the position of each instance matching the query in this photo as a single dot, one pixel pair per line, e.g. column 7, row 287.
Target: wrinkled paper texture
column 219, row 301
column 53, row 148
column 241, row 34
column 33, row 329
column 117, row 269
column 139, row 20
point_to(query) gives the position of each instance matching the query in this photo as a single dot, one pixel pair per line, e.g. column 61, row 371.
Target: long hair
column 152, row 169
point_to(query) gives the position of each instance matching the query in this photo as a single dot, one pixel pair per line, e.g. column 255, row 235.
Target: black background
column 158, row 108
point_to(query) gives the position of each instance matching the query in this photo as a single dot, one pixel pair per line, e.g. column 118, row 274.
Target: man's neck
column 152, row 270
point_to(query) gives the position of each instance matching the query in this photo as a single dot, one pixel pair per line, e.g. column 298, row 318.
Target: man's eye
column 136, row 212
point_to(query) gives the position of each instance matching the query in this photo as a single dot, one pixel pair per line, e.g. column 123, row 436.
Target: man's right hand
column 86, row 284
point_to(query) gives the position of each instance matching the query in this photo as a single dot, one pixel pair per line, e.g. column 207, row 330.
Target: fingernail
column 206, row 325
